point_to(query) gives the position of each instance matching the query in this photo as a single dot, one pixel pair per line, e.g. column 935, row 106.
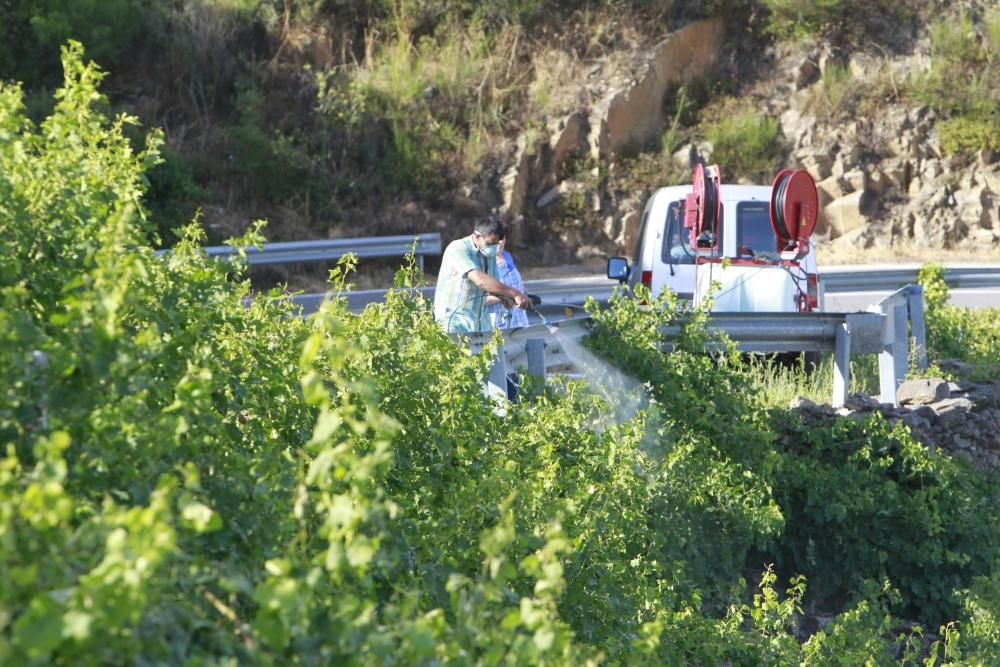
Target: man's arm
column 491, row 285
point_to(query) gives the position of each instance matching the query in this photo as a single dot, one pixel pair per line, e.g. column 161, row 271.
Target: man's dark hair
column 491, row 225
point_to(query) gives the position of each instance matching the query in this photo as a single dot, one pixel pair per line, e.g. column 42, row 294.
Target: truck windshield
column 754, row 234
column 676, row 246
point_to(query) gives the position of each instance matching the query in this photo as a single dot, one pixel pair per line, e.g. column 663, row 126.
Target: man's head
column 488, row 232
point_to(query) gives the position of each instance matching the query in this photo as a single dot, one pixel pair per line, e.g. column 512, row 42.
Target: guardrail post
column 915, row 304
column 841, row 364
column 895, row 343
column 496, row 381
column 535, row 348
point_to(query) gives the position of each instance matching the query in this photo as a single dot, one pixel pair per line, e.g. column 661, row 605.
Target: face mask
column 490, row 250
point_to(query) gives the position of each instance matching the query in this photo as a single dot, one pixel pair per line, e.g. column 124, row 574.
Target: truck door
column 675, row 266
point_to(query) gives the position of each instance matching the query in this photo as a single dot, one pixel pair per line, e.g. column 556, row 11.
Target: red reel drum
column 703, row 208
column 794, row 209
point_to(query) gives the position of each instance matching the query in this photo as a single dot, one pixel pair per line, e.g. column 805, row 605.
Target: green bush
column 965, row 136
column 851, row 24
column 273, row 165
column 745, row 143
column 961, row 62
column 864, row 502
column 413, row 110
column 965, row 334
column 790, row 18
column 171, row 196
column 32, row 32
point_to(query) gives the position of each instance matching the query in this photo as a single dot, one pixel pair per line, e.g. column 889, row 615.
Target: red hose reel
column 794, row 208
column 703, row 209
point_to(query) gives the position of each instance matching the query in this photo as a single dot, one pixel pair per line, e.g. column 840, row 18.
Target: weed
column 780, row 382
column 969, row 335
column 962, row 62
column 745, row 141
column 836, row 93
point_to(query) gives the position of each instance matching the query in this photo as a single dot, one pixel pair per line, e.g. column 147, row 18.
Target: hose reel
column 703, row 208
column 794, row 209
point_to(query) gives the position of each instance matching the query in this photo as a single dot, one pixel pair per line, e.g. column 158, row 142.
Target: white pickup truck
column 687, row 231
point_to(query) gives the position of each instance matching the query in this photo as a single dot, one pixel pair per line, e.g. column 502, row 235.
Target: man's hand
column 522, row 301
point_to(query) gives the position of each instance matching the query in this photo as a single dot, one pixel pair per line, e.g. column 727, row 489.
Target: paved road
column 846, row 302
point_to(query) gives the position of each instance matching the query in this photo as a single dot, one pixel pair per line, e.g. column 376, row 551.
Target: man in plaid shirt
column 468, row 281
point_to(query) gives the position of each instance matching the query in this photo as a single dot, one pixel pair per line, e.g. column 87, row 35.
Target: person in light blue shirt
column 502, row 316
column 468, row 281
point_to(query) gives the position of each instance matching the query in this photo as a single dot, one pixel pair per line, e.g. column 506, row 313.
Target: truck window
column 754, row 234
column 676, row 248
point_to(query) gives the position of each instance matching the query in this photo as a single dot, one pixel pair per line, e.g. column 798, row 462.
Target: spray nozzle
column 537, row 301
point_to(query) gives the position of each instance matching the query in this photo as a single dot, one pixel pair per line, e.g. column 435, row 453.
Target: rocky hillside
column 348, row 118
column 888, row 188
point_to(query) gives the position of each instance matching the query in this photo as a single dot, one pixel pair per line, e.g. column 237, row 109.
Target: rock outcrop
column 882, row 181
column 887, row 181
column 627, row 114
column 961, row 418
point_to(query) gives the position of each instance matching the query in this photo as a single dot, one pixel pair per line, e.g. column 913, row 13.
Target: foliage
column 961, row 61
column 858, row 498
column 980, row 638
column 32, row 32
column 967, row 135
column 417, row 104
column 839, row 94
column 711, row 440
column 789, row 17
column 959, row 333
column 173, row 191
column 851, row 23
column 780, row 380
column 745, row 142
column 273, row 164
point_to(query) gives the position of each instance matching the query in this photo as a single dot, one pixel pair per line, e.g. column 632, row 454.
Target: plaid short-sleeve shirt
column 459, row 305
column 515, row 317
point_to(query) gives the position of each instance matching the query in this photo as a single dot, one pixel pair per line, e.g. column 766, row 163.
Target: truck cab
column 757, row 276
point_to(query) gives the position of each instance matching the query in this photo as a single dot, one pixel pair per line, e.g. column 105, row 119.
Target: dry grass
column 901, row 253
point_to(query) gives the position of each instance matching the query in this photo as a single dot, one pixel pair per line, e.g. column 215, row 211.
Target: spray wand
column 537, row 301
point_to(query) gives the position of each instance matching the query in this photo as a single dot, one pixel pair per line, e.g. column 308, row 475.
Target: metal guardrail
column 886, row 331
column 556, row 292
column 869, row 279
column 844, row 334
column 573, row 291
column 903, row 313
column 333, row 249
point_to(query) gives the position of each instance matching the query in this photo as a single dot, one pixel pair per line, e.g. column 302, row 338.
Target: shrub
column 962, row 62
column 965, row 136
column 416, row 103
column 273, row 163
column 790, row 18
column 171, row 196
column 194, row 476
column 959, row 333
column 863, row 502
column 746, row 144
column 33, row 32
column 853, row 24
